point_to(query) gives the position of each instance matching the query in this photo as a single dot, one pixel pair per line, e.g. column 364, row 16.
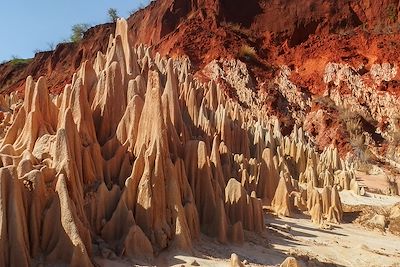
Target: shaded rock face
column 136, row 156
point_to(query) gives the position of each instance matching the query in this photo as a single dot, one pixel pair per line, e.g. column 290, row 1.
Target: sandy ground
column 346, row 244
column 375, row 182
column 348, row 197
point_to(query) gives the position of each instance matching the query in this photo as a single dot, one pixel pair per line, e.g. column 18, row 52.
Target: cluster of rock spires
column 136, row 156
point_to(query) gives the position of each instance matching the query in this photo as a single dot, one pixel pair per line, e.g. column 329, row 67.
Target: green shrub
column 77, row 32
column 112, row 14
column 16, row 61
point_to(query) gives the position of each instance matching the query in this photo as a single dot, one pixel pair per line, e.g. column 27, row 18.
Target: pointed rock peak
column 88, row 76
column 277, row 129
column 82, row 113
column 290, row 262
column 171, row 97
column 122, row 31
column 151, row 119
column 281, row 202
column 29, row 89
column 40, row 96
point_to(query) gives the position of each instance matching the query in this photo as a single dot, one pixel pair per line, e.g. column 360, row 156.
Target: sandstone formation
column 235, row 261
column 290, row 262
column 232, row 109
column 307, row 182
column 139, row 155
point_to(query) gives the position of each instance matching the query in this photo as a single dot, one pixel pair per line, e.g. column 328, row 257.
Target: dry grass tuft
column 247, row 52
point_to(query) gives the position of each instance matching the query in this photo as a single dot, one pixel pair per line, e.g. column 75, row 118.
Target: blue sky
column 29, row 25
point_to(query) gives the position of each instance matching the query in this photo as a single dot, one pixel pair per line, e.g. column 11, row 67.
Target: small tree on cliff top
column 112, row 14
column 77, row 32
